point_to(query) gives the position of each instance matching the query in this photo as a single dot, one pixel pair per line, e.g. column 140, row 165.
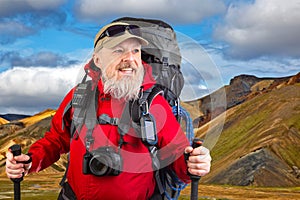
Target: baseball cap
column 114, row 33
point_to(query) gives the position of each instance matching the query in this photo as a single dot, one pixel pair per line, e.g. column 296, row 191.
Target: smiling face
column 122, row 69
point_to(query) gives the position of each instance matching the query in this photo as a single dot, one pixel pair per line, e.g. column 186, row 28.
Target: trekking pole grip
column 16, row 151
column 194, row 178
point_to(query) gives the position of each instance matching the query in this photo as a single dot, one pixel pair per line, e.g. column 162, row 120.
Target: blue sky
column 43, row 44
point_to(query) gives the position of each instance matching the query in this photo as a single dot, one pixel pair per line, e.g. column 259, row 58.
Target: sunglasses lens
column 119, row 30
column 135, row 30
column 115, row 30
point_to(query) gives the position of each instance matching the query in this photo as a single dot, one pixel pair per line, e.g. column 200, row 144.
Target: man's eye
column 136, row 50
column 118, row 51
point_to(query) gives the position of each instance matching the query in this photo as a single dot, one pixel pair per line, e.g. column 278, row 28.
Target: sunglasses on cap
column 119, row 30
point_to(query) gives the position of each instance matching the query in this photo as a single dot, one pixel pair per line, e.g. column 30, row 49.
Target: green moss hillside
column 260, row 141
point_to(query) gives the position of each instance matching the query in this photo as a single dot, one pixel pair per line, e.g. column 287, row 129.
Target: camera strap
column 90, row 119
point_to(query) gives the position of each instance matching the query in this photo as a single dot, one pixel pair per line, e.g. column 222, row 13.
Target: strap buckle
column 114, row 121
column 144, row 107
column 105, row 119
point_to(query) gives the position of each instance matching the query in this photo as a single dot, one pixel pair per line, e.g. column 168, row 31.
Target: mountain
column 259, row 143
column 240, row 89
column 37, row 117
column 12, row 117
column 25, row 132
column 3, row 121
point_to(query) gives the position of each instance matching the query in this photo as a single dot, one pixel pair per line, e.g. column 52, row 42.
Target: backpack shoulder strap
column 144, row 123
column 141, row 105
column 79, row 101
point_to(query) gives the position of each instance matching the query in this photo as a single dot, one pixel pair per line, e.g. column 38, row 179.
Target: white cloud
column 12, row 7
column 262, row 28
column 28, row 89
column 14, row 28
column 188, row 11
column 201, row 74
column 260, row 67
column 19, row 19
column 45, row 5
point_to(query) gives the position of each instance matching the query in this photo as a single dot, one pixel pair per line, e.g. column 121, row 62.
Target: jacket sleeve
column 171, row 139
column 47, row 150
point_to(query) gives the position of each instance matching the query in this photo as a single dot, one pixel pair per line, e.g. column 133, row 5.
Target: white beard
column 127, row 87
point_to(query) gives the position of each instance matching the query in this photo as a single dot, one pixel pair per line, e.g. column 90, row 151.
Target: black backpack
column 163, row 54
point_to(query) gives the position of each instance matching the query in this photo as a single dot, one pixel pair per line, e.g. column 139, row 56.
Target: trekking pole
column 16, row 151
column 194, row 178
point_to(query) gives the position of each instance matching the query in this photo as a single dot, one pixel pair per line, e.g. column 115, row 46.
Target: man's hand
column 14, row 167
column 199, row 160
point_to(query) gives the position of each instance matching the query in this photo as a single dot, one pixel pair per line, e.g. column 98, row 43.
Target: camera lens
column 100, row 164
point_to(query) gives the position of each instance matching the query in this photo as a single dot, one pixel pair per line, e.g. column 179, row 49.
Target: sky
column 44, row 44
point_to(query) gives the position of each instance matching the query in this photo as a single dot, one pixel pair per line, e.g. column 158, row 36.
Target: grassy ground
column 224, row 192
column 33, row 187
column 39, row 186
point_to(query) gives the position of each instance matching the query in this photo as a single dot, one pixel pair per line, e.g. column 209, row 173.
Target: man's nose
column 128, row 56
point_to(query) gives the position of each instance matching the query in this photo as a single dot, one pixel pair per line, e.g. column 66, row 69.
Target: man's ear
column 97, row 60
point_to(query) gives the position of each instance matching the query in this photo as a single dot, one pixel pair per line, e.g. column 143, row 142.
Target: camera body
column 103, row 161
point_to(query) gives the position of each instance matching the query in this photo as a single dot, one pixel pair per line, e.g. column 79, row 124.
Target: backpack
column 163, row 54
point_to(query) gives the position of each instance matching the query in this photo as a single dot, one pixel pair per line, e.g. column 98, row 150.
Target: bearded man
column 118, row 75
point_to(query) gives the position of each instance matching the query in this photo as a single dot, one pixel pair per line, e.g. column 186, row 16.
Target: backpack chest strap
column 122, row 123
column 105, row 119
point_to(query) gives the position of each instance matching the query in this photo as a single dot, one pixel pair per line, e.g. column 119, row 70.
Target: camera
column 103, row 161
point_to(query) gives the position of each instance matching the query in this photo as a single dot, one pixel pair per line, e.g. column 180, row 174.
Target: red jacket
column 136, row 181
